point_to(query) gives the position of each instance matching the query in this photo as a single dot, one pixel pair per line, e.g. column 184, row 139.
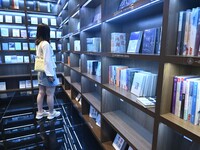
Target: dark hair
column 43, row 33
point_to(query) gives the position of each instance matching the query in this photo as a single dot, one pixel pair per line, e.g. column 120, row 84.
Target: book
column 8, row 19
column 32, row 46
column 118, row 42
column 26, row 59
column 93, row 113
column 149, row 40
column 146, row 102
column 28, row 83
column 4, row 46
column 52, row 34
column 94, row 44
column 125, row 3
column 18, row 19
column 53, row 45
column 15, row 33
column 53, row 21
column 34, row 20
column 49, row 7
column 11, row 46
column 20, row 59
column 15, row 4
column 58, row 34
column 77, row 46
column 35, row 83
column 23, row 33
column 2, row 86
column 119, row 143
column 18, row 46
column 1, row 17
column 32, row 34
column 98, row 120
column 45, row 21
column 4, row 32
column 7, row 59
column 135, row 42
column 25, row 46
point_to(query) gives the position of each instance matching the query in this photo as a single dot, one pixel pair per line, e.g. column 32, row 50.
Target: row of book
column 120, row 144
column 47, row 21
column 188, row 38
column 94, row 67
column 78, row 98
column 186, row 98
column 125, row 3
column 93, row 44
column 145, row 42
column 15, row 59
column 53, row 34
column 34, row 5
column 11, row 19
column 93, row 113
column 135, row 80
column 27, row 84
column 8, row 32
column 24, row 46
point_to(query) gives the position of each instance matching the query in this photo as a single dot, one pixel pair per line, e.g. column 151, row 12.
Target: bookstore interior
column 128, row 74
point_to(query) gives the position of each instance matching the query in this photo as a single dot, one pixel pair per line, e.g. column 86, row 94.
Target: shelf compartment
column 182, row 126
column 130, row 129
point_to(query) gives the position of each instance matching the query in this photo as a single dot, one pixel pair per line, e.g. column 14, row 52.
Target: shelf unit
column 142, row 128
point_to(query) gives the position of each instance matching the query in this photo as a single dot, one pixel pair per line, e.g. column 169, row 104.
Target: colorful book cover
column 135, row 42
column 4, row 46
column 11, row 45
column 149, row 40
column 118, row 42
column 4, row 32
column 194, row 99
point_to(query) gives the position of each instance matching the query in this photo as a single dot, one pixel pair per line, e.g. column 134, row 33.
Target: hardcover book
column 135, row 42
column 15, row 33
column 32, row 46
column 2, row 86
column 125, row 3
column 119, row 143
column 11, row 45
column 23, row 33
column 25, row 46
column 34, row 20
column 18, row 19
column 77, row 46
column 45, row 21
column 1, row 17
column 18, row 46
column 4, row 46
column 52, row 34
column 4, row 32
column 32, row 34
column 118, row 42
column 146, row 102
column 93, row 113
column 58, row 34
column 20, row 59
column 8, row 19
column 149, row 40
column 26, row 59
column 53, row 22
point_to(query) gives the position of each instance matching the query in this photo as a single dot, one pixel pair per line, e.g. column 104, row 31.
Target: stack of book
column 94, row 44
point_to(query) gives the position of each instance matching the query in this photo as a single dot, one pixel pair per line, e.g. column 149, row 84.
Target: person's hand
column 51, row 79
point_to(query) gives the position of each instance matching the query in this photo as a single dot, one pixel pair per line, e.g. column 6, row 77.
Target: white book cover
column 4, row 32
column 2, row 86
column 58, row 34
column 7, row 58
column 53, row 45
column 15, row 33
column 53, row 22
column 20, row 59
column 77, row 46
column 15, row 4
column 18, row 19
column 25, row 46
column 45, row 21
column 1, row 18
column 23, row 33
column 145, row 102
column 8, row 19
column 98, row 120
column 93, row 113
column 13, row 58
column 28, row 83
column 119, row 143
column 26, row 59
column 138, row 83
column 18, row 46
column 35, row 83
column 22, row 84
column 34, row 20
column 52, row 34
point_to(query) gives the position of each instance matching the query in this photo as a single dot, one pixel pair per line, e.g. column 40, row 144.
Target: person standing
column 47, row 80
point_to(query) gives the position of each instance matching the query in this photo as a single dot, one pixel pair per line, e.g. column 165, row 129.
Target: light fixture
column 75, row 14
column 87, row 3
column 92, row 27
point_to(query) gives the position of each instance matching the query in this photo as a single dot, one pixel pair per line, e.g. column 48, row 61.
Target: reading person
column 47, row 80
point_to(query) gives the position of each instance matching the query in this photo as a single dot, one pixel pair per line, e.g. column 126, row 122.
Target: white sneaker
column 54, row 114
column 41, row 115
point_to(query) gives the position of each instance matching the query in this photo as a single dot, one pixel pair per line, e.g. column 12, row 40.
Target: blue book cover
column 149, row 40
column 194, row 97
column 125, row 3
column 135, row 42
column 4, row 46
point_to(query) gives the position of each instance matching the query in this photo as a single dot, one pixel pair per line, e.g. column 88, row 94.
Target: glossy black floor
column 21, row 131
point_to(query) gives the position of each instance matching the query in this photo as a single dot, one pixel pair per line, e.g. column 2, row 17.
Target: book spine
column 197, row 42
column 197, row 111
column 190, row 100
column 179, row 32
column 193, row 106
column 174, row 95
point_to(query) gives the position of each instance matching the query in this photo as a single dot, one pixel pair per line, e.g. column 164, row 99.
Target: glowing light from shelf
column 58, row 2
column 87, row 3
column 133, row 10
column 65, row 5
column 11, row 13
column 11, row 26
column 35, row 28
column 75, row 14
column 187, row 138
column 92, row 27
column 60, row 14
column 33, row 15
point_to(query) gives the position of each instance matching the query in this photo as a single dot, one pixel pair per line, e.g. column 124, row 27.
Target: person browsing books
column 47, row 80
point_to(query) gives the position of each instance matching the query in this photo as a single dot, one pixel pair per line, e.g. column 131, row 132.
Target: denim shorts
column 43, row 80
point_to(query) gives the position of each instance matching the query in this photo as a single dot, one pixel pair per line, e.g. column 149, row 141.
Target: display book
column 12, row 4
column 186, row 98
column 145, row 42
column 93, row 113
column 188, row 38
column 94, row 67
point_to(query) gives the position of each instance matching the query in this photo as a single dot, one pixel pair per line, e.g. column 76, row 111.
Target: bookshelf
column 146, row 128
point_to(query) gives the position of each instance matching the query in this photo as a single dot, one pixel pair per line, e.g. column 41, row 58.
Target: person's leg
column 50, row 98
column 40, row 98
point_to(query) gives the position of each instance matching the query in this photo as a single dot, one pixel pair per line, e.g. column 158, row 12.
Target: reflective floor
column 21, row 131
